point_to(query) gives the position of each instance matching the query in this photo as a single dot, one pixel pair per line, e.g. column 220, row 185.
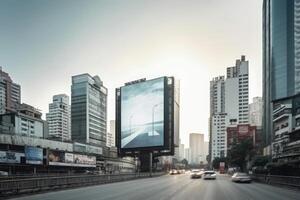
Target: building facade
column 26, row 121
column 256, row 111
column 196, row 148
column 111, row 135
column 237, row 133
column 281, row 77
column 237, row 92
column 88, row 110
column 187, row 154
column 218, row 138
column 217, row 110
column 181, row 151
column 10, row 93
column 229, row 101
column 59, row 118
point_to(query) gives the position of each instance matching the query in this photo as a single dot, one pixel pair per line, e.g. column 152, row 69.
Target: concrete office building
column 26, row 121
column 197, row 148
column 229, row 101
column 88, row 110
column 217, row 108
column 59, row 118
column 10, row 93
column 181, row 151
column 281, row 78
column 187, row 154
column 206, row 148
column 255, row 112
column 217, row 119
column 218, row 137
column 237, row 92
column 111, row 135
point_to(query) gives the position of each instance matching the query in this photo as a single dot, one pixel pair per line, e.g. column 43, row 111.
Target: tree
column 217, row 160
column 185, row 162
column 240, row 153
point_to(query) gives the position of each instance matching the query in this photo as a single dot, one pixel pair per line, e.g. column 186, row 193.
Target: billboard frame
column 168, row 144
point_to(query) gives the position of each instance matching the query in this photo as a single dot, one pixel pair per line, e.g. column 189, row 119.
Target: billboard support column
column 150, row 163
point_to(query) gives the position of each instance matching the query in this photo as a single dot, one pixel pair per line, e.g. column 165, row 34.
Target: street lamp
column 130, row 119
column 153, row 109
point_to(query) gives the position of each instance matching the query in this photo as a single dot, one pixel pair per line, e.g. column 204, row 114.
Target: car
column 209, row 175
column 241, row 178
column 196, row 173
column 173, row 171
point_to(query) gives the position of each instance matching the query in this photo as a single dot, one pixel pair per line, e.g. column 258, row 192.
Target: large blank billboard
column 142, row 114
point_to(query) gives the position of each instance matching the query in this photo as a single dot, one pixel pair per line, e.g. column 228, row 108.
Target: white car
column 209, row 175
column 173, row 171
column 196, row 173
column 241, row 177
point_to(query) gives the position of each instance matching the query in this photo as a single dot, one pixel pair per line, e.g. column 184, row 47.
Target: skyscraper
column 88, row 110
column 237, row 92
column 281, row 77
column 197, row 148
column 59, row 118
column 255, row 112
column 181, row 151
column 111, row 135
column 228, row 103
column 187, row 154
column 10, row 93
column 217, row 114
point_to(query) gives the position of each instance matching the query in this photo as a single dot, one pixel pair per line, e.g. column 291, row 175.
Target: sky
column 45, row 42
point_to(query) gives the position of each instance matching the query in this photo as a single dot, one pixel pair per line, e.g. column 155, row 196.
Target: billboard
column 84, row 160
column 59, row 158
column 34, row 155
column 142, row 114
column 10, row 157
column 147, row 117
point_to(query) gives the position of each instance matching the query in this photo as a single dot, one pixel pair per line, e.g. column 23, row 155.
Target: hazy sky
column 43, row 43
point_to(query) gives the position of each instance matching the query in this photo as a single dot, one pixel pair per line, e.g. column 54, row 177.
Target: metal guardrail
column 29, row 185
column 289, row 181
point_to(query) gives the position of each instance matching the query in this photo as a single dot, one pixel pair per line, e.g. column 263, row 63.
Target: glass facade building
column 281, row 67
column 89, row 110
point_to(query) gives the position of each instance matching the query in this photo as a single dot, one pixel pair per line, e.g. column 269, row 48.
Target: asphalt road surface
column 179, row 187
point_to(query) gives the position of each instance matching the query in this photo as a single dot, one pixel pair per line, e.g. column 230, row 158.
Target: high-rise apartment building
column 197, row 148
column 228, row 103
column 88, row 110
column 187, row 154
column 218, row 136
column 181, row 151
column 10, row 93
column 281, row 78
column 217, row 113
column 237, row 92
column 255, row 112
column 111, row 135
column 59, row 118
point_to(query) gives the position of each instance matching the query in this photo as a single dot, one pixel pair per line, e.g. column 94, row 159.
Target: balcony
column 283, row 130
column 282, row 116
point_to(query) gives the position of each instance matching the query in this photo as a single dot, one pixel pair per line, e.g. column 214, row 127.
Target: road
column 177, row 187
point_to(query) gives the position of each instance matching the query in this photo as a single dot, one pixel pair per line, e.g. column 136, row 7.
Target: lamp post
column 153, row 110
column 130, row 119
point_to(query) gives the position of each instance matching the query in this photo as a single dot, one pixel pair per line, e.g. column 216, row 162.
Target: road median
column 32, row 185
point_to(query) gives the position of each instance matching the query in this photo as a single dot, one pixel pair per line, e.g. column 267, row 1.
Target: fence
column 289, row 181
column 35, row 184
